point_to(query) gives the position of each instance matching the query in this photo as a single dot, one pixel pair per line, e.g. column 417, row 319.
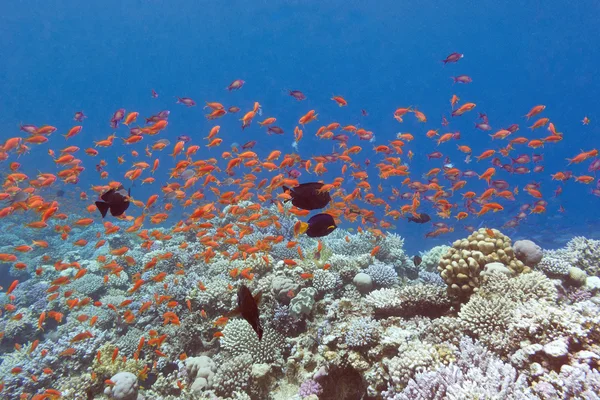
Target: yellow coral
column 105, row 367
column 462, row 265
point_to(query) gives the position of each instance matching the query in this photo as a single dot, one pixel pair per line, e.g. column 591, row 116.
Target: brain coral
column 461, row 266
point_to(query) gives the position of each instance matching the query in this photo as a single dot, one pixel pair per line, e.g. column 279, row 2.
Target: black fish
column 417, row 260
column 307, row 196
column 60, row 193
column 248, row 307
column 421, row 219
column 115, row 201
column 320, row 225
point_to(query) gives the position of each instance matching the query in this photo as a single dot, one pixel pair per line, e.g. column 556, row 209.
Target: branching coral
column 382, row 274
column 362, row 331
column 420, row 299
column 477, row 374
column 233, row 375
column 239, row 338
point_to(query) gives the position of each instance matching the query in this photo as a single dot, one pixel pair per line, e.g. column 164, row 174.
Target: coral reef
column 346, row 323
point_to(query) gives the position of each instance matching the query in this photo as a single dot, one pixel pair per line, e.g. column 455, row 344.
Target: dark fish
column 117, row 117
column 275, row 129
column 513, row 128
column 249, row 145
column 248, row 307
column 115, row 201
column 60, row 193
column 294, row 173
column 298, row 95
column 417, row 260
column 462, row 79
column 186, row 101
column 307, row 196
column 184, row 138
column 452, row 58
column 320, row 225
column 79, row 116
column 154, row 94
column 421, row 219
column 483, row 126
column 28, row 128
column 235, row 85
column 341, row 137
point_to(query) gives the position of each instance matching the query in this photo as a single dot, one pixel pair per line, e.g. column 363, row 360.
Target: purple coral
column 310, row 387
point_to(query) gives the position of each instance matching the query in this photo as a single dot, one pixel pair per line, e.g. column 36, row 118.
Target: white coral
column 383, row 299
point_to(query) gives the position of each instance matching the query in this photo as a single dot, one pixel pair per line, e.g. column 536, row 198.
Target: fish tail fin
column 102, row 207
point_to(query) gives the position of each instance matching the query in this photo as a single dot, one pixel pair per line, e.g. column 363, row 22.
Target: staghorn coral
column 462, row 265
column 477, row 374
column 577, row 381
column 310, row 387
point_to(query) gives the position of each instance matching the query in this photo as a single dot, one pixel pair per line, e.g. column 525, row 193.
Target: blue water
column 98, row 57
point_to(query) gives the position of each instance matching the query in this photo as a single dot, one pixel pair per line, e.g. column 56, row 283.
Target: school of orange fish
column 258, row 178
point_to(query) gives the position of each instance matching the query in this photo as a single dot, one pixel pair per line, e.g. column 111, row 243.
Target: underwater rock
column 528, row 252
column 592, row 283
column 281, row 286
column 201, row 371
column 577, row 276
column 557, row 349
column 363, row 282
column 496, row 268
column 125, row 387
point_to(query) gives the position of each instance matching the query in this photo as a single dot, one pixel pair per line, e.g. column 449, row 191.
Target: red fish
column 452, row 58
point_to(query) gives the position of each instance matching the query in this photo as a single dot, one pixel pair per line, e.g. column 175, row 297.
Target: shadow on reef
column 343, row 384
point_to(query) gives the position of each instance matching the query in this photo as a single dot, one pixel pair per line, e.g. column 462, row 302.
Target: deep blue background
column 98, row 57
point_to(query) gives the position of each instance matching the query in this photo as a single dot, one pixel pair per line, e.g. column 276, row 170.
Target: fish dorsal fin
column 257, row 298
